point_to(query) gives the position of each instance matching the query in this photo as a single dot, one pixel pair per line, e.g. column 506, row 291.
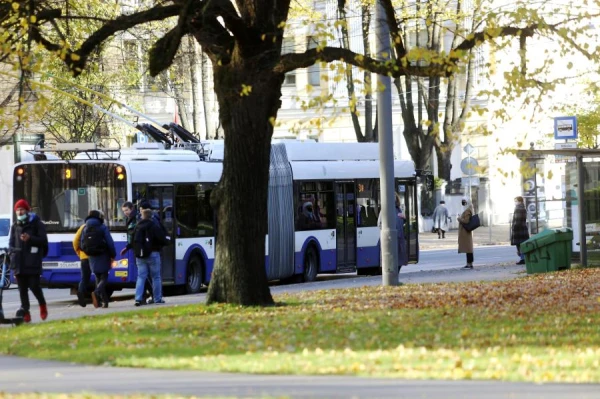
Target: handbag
column 473, row 223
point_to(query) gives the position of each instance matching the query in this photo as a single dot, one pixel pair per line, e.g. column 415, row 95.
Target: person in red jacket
column 29, row 244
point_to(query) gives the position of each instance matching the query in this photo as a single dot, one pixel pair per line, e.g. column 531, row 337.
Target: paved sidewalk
column 495, row 235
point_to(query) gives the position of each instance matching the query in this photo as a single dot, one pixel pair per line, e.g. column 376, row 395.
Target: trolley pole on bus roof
column 389, row 234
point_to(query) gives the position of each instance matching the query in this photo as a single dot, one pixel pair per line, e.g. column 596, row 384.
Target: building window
column 288, row 46
column 314, row 71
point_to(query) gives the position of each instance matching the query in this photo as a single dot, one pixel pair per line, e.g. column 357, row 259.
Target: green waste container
column 548, row 251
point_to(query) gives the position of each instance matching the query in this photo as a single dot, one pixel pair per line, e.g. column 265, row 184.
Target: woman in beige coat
column 465, row 238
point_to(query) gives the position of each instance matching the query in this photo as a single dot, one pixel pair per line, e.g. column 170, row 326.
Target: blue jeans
column 86, row 274
column 150, row 264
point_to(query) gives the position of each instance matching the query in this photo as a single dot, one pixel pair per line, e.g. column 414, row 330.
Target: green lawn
column 90, row 395
column 537, row 328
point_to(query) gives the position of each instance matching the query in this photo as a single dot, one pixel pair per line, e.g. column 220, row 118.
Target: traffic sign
column 565, row 127
column 469, row 149
column 469, row 166
column 141, row 137
column 565, row 146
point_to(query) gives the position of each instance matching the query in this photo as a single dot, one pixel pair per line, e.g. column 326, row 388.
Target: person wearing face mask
column 30, row 243
column 465, row 238
column 518, row 228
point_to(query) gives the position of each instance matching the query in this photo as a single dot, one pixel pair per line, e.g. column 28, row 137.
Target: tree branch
column 76, row 64
column 395, row 68
column 126, row 22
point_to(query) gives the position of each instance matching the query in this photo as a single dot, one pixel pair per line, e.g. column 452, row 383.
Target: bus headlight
column 120, row 263
column 120, row 172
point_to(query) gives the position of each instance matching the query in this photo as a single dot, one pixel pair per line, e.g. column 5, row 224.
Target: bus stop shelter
column 580, row 195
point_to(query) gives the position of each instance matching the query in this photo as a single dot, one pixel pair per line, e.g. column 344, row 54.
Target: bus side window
column 327, row 209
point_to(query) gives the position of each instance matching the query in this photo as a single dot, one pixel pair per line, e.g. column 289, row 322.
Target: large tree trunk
column 444, row 163
column 240, row 199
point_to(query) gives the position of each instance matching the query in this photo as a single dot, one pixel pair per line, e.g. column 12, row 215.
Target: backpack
column 142, row 241
column 92, row 240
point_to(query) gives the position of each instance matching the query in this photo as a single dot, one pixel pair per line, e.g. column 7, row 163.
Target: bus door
column 161, row 200
column 407, row 190
column 346, row 226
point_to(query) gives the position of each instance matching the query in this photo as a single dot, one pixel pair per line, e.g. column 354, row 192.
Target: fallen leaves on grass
column 568, row 291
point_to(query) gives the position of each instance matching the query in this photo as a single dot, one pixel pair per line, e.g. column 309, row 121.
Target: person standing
column 148, row 239
column 130, row 222
column 401, row 240
column 519, row 233
column 440, row 219
column 30, row 243
column 84, row 266
column 145, row 204
column 400, row 221
column 98, row 244
column 465, row 238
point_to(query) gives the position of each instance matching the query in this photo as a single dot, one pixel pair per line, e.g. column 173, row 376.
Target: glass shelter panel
column 591, row 204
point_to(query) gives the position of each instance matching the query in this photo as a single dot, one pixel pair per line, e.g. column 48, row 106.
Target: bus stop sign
column 565, row 127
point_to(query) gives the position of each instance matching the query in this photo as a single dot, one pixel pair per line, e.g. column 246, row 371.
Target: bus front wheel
column 195, row 270
column 311, row 264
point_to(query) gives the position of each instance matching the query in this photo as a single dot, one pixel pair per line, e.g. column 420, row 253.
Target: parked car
column 4, row 230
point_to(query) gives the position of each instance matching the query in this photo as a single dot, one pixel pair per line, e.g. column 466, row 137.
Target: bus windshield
column 63, row 194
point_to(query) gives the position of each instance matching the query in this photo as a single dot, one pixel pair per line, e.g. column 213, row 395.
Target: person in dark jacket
column 29, row 243
column 102, row 263
column 400, row 220
column 519, row 233
column 145, row 204
column 146, row 264
column 130, row 222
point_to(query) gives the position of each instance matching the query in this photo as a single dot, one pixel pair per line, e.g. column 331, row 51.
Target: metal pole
column 470, row 177
column 389, row 234
column 580, row 196
column 537, row 205
column 489, row 206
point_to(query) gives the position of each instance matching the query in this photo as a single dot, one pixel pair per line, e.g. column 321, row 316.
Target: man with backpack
column 145, row 204
column 148, row 238
column 98, row 245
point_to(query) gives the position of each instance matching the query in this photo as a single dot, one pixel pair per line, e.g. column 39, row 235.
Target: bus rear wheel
column 311, row 264
column 195, row 271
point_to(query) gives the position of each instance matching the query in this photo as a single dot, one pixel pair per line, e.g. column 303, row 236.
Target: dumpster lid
column 546, row 237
